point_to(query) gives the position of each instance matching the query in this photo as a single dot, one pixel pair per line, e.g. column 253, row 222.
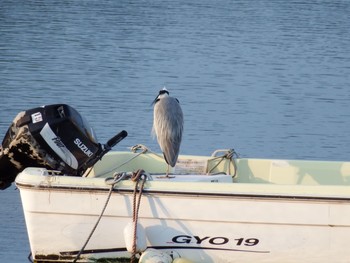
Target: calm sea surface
column 270, row 79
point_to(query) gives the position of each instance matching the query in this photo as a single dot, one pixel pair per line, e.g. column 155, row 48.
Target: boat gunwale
column 150, row 192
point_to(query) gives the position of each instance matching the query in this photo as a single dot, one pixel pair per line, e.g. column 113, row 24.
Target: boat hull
column 220, row 223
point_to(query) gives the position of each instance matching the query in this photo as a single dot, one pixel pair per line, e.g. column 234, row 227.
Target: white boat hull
column 233, row 224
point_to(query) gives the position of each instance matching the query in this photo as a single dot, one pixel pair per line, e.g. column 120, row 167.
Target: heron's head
column 162, row 93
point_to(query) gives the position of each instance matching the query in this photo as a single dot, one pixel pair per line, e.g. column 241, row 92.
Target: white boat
column 217, row 208
column 214, row 209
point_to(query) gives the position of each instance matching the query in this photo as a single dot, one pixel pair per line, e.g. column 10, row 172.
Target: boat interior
column 224, row 166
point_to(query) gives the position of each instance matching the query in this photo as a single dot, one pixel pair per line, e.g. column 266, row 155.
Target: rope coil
column 228, row 154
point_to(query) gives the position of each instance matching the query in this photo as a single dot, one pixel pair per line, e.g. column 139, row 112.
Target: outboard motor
column 56, row 137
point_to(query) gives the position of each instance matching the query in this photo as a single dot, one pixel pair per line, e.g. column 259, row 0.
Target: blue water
column 268, row 78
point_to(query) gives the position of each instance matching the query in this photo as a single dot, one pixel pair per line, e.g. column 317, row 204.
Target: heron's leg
column 167, row 171
column 167, row 176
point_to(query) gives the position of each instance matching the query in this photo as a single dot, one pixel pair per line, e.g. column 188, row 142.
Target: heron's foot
column 167, row 176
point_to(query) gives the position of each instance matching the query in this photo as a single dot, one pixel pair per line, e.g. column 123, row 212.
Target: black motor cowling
column 56, row 137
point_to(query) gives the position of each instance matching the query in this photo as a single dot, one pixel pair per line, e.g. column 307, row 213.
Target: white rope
column 127, row 161
column 134, row 149
column 228, row 154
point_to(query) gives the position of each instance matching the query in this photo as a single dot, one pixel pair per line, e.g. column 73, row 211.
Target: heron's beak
column 155, row 100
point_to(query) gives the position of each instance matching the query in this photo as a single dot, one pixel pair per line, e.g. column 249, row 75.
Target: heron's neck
column 161, row 96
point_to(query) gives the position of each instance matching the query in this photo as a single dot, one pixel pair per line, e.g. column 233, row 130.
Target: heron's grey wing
column 168, row 126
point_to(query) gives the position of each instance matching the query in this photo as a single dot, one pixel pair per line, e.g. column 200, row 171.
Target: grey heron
column 168, row 126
